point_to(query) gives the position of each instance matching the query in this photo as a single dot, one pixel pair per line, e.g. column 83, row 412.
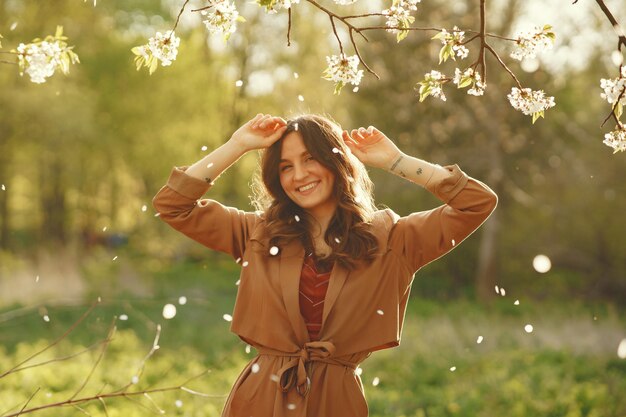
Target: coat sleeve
column 179, row 204
column 424, row 236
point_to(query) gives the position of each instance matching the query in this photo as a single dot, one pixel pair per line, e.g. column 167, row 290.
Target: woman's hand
column 372, row 147
column 260, row 132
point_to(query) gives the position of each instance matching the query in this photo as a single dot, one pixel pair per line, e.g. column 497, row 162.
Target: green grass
column 567, row 366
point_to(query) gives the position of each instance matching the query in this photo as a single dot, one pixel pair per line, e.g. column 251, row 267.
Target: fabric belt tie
column 297, row 369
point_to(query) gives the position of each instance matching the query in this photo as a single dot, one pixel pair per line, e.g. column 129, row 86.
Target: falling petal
column 380, row 312
column 227, row 317
column 204, row 148
column 46, row 318
column 621, row 349
column 355, row 89
column 301, row 97
column 13, row 26
column 248, row 348
column 210, row 165
column 295, row 127
column 297, row 218
column 37, row 279
column 273, row 250
column 358, row 371
column 274, row 378
column 123, row 317
column 169, row 311
column 182, row 300
column 453, row 242
column 3, row 188
column 479, row 340
column 255, row 368
column 528, row 328
column 144, row 208
column 295, row 75
column 291, row 406
column 516, row 302
column 104, row 229
column 542, row 264
column 335, row 150
column 376, row 381
column 134, row 379
column 237, row 260
column 157, row 214
column 238, row 83
column 453, row 368
column 115, row 257
column 238, row 281
column 502, row 292
column 244, row 264
column 497, row 290
column 178, row 403
column 337, row 240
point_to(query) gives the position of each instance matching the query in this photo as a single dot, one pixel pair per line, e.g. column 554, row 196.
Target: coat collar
column 291, row 261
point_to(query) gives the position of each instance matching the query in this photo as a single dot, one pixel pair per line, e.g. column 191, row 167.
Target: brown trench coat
column 363, row 311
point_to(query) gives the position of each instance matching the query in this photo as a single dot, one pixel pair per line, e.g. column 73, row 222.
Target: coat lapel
column 337, row 279
column 291, row 260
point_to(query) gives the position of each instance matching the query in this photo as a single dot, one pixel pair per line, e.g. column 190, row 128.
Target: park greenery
column 82, row 154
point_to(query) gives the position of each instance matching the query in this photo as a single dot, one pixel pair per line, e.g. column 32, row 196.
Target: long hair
column 349, row 232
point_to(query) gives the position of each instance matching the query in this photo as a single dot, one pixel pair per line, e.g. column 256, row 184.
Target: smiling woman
column 325, row 276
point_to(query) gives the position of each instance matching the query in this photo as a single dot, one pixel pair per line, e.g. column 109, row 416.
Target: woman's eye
column 285, row 167
column 310, row 158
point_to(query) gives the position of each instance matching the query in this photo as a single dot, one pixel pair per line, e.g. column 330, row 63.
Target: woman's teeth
column 307, row 187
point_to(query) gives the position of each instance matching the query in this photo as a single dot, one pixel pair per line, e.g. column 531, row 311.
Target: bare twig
column 27, row 401
column 182, row 9
column 495, row 54
column 101, row 397
column 289, row 28
column 8, row 62
column 621, row 38
column 95, row 365
column 613, row 108
column 54, row 343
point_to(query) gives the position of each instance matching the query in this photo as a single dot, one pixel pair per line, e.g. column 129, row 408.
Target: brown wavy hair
column 349, row 232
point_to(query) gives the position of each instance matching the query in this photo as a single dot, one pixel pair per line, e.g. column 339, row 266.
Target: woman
column 325, row 276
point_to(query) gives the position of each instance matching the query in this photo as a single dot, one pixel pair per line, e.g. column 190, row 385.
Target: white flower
column 164, row 47
column 528, row 44
column 467, row 78
column 41, row 59
column 530, row 102
column 223, row 19
column 614, row 87
column 616, row 140
column 398, row 16
column 432, row 85
column 272, row 7
column 452, row 44
column 343, row 70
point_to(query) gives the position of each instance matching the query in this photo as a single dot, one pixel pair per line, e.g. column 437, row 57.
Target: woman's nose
column 300, row 172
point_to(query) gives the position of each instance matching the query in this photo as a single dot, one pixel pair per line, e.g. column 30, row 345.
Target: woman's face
column 306, row 181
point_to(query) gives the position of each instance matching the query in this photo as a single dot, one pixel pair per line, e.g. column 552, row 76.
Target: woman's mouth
column 308, row 189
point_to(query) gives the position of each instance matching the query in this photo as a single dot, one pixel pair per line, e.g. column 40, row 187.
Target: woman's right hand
column 260, row 132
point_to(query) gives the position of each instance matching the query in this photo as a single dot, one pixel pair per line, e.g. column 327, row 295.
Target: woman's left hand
column 372, row 147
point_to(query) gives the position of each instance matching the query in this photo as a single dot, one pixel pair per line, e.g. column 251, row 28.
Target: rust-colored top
column 314, row 279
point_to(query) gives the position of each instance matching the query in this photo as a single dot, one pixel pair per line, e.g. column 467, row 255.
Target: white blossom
column 614, row 87
column 452, row 44
column 465, row 79
column 343, row 70
column 273, row 6
column 530, row 102
column 164, row 47
column 398, row 16
column 616, row 140
column 432, row 85
column 223, row 18
column 528, row 44
column 41, row 59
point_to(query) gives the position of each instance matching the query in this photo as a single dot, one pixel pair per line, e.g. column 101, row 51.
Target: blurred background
column 81, row 157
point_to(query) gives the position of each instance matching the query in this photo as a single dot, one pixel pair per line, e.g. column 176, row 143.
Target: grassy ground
column 567, row 366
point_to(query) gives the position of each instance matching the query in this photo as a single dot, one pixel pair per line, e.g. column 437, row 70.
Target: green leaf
column 401, row 35
column 154, row 64
column 240, row 18
column 445, row 52
column 465, row 82
column 439, row 35
column 537, row 115
column 139, row 61
column 59, row 32
column 338, row 86
column 137, row 50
